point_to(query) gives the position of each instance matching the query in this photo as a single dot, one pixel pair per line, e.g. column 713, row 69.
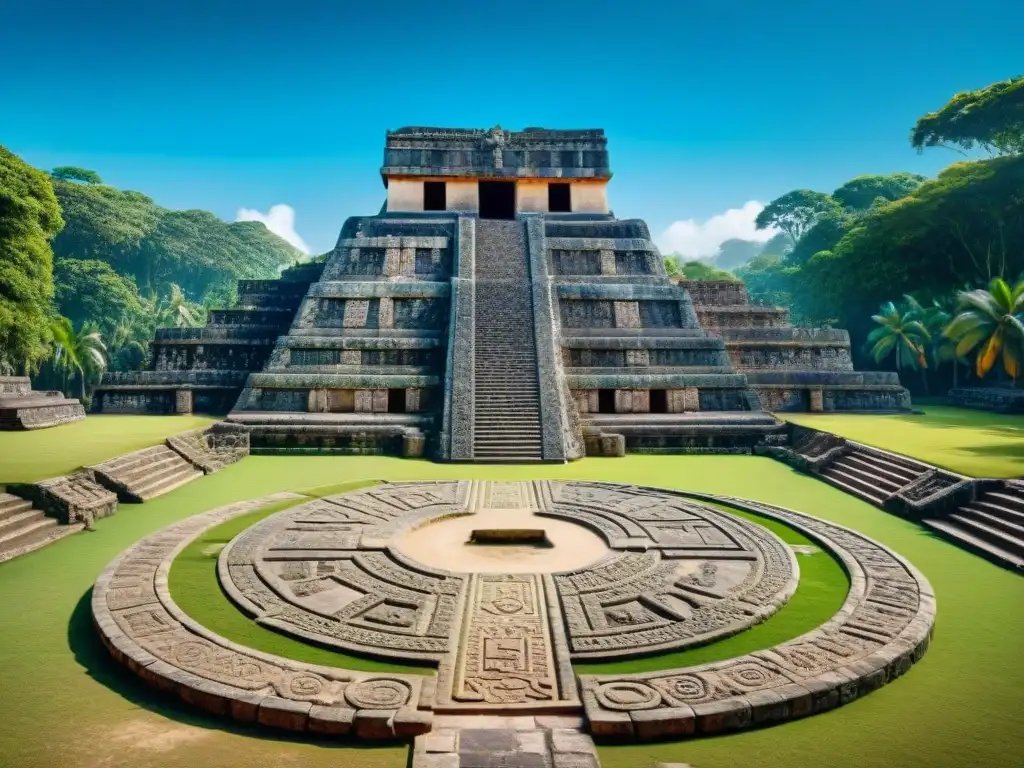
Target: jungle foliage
column 879, row 237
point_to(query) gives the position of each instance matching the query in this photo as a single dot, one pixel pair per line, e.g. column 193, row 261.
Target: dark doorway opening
column 659, row 401
column 497, row 199
column 606, row 401
column 559, row 199
column 396, row 401
column 435, row 197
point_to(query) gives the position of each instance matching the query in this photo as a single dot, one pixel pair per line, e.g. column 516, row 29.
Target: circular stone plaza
column 485, row 487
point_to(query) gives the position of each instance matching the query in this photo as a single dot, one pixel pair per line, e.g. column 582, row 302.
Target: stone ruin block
column 386, row 313
column 627, row 314
column 817, row 403
column 638, row 357
column 608, row 262
column 183, row 401
column 355, row 313
column 691, row 399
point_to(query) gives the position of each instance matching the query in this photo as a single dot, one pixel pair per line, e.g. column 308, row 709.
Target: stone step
column 868, row 474
column 854, row 485
column 959, row 535
column 857, row 460
column 1006, row 499
column 890, row 464
column 130, row 461
column 12, row 505
column 31, row 540
column 998, row 509
column 167, row 482
column 982, row 516
column 156, row 468
column 14, row 528
column 1000, row 538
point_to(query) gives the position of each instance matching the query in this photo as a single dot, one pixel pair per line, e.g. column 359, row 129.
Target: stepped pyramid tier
column 494, row 310
column 21, row 407
column 791, row 369
column 204, row 369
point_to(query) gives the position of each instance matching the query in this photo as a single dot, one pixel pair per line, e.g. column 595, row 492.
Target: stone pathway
column 490, row 741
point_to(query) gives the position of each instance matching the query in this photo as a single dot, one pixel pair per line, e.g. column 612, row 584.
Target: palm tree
column 989, row 321
column 178, row 311
column 901, row 333
column 78, row 352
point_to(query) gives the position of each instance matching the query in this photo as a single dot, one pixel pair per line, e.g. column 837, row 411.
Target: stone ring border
column 286, row 694
column 813, row 673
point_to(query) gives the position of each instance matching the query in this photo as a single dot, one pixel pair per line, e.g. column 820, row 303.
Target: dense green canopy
column 990, row 118
column 29, row 217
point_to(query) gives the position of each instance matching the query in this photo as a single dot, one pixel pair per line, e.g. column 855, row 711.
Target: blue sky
column 707, row 105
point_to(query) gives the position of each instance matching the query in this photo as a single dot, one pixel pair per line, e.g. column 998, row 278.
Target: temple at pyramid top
column 496, row 173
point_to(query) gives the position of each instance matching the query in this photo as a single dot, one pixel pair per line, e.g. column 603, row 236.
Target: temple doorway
column 497, row 199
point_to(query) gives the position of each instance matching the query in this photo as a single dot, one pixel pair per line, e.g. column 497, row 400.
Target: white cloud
column 702, row 238
column 280, row 220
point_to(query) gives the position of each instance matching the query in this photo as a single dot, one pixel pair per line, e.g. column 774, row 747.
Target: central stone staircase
column 506, row 396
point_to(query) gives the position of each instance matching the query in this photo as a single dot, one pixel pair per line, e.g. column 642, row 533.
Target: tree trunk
column 81, row 378
column 924, row 381
column 956, row 366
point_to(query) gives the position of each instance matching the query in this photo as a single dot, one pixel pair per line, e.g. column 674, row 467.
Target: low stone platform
column 349, row 434
column 994, row 399
column 21, row 407
column 679, row 572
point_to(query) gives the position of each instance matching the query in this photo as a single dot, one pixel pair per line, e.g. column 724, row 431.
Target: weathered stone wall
column 995, row 399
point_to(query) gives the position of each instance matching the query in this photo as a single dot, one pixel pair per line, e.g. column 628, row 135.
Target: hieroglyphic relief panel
column 882, row 629
column 322, row 571
column 509, row 655
column 702, row 574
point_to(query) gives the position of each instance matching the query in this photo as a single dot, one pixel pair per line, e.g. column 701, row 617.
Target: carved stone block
column 817, row 403
column 637, row 358
column 356, row 311
column 317, row 401
column 623, row 401
column 691, row 399
column 627, row 314
column 364, row 401
column 607, row 262
column 183, row 401
column 386, row 313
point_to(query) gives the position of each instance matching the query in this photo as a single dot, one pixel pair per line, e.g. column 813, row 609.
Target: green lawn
column 42, row 453
column 64, row 702
column 970, row 442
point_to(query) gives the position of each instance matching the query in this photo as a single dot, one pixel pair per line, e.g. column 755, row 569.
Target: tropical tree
column 796, row 212
column 178, row 311
column 29, row 218
column 988, row 321
column 80, row 352
column 991, row 118
column 900, row 332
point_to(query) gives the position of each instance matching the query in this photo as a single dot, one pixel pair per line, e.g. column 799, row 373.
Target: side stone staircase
column 23, row 528
column 138, row 476
column 991, row 525
column 506, row 395
column 872, row 475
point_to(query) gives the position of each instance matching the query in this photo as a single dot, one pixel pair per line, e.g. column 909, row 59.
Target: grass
column 63, row 702
column 38, row 454
column 975, row 443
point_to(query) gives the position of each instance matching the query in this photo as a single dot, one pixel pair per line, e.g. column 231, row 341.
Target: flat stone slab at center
column 534, row 536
